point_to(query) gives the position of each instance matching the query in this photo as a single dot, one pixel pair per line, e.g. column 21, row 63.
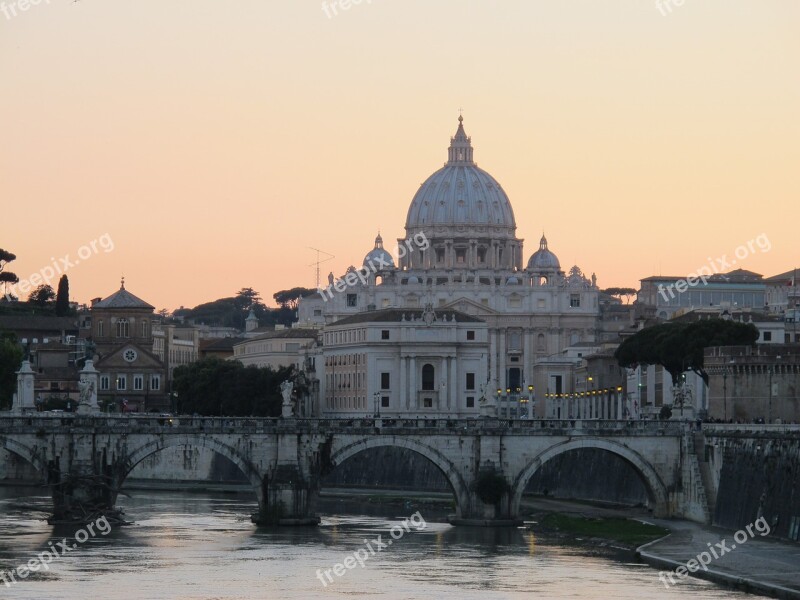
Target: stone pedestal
column 287, row 411
column 23, row 400
column 489, row 407
column 88, row 387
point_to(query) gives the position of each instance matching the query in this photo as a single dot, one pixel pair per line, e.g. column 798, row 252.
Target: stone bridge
column 488, row 462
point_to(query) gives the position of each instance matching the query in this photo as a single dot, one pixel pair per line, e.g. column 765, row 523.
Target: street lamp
column 377, row 411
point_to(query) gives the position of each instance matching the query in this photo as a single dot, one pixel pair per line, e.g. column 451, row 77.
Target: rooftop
column 397, row 315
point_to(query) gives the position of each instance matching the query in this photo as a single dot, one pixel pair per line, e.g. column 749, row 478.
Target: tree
column 247, row 298
column 216, row 387
column 290, row 298
column 62, row 297
column 10, row 360
column 621, row 291
column 42, row 295
column 7, row 277
column 679, row 347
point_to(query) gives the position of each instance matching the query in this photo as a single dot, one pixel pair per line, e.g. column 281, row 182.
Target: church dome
column 460, row 194
column 378, row 256
column 543, row 259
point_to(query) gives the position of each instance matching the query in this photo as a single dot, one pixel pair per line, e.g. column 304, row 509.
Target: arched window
column 540, row 342
column 144, row 329
column 428, row 376
column 123, row 328
column 100, row 328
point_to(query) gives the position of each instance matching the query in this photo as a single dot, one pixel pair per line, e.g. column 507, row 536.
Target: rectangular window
column 427, row 402
column 352, row 300
column 470, row 381
column 384, row 334
column 470, row 401
column 155, row 382
column 105, row 382
column 470, row 335
column 385, row 402
column 385, row 379
column 574, row 300
column 122, row 382
column 767, row 336
column 138, row 382
column 317, row 312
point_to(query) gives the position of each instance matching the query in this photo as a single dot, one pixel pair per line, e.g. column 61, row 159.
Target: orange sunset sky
column 215, row 142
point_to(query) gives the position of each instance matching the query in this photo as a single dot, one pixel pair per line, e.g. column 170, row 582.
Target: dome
column 460, row 193
column 378, row 256
column 543, row 259
column 512, row 280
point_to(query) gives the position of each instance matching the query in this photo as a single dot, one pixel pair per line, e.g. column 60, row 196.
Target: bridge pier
column 82, row 495
column 286, row 499
column 488, row 502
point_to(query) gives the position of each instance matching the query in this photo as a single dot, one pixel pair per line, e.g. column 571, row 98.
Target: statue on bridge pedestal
column 87, row 387
column 287, row 409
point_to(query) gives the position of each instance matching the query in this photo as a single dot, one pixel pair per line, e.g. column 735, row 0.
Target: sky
column 199, row 147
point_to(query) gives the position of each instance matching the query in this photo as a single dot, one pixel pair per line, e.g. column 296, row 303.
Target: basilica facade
column 459, row 266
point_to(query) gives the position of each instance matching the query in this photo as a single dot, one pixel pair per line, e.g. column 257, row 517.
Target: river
column 189, row 546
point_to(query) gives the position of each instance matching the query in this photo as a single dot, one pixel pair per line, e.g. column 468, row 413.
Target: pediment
column 120, row 358
column 470, row 307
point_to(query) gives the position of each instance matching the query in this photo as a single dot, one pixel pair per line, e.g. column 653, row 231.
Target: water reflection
column 193, row 547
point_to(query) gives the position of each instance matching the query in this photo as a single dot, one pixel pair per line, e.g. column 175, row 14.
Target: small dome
column 543, row 259
column 413, row 279
column 379, row 257
column 512, row 280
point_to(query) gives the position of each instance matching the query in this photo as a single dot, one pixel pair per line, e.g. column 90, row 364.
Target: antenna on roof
column 319, row 260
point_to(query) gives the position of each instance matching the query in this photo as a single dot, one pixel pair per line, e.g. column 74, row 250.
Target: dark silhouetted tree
column 216, row 387
column 62, row 297
column 42, row 295
column 7, row 277
column 11, row 354
column 679, row 347
column 619, row 292
column 290, row 298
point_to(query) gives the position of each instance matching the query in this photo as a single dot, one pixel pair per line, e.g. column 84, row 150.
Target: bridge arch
column 25, row 452
column 445, row 465
column 201, row 441
column 653, row 483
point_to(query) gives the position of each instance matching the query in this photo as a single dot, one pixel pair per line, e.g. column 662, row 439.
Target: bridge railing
column 711, row 429
column 142, row 422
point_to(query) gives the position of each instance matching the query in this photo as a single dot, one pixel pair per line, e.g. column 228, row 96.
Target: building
column 757, row 383
column 460, row 252
column 736, row 289
column 175, row 345
column 405, row 362
column 132, row 377
column 782, row 294
column 276, row 348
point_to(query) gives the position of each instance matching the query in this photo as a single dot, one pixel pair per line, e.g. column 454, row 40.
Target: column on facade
column 403, row 400
column 492, row 366
column 527, row 358
column 452, row 402
column 502, row 383
column 412, row 382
